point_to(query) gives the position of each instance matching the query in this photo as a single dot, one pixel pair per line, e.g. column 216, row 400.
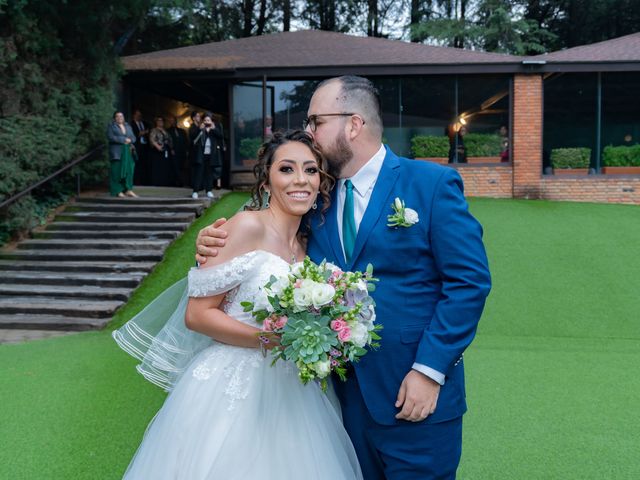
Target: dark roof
column 308, row 48
column 622, row 49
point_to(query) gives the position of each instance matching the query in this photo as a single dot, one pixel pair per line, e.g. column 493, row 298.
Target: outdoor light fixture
column 463, row 121
column 186, row 123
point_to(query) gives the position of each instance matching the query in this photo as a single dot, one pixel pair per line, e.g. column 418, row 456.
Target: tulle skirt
column 234, row 416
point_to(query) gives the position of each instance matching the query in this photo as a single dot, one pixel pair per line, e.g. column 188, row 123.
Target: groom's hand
column 209, row 238
column 418, row 397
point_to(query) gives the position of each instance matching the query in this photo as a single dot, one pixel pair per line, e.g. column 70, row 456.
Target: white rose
column 411, row 216
column 322, row 294
column 262, row 302
column 322, row 368
column 359, row 335
column 303, row 295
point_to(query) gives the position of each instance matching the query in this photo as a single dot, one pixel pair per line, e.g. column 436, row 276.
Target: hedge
column 429, row 146
column 622, row 156
column 476, row 144
column 571, row 157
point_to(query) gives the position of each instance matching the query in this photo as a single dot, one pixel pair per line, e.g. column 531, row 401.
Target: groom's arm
column 460, row 257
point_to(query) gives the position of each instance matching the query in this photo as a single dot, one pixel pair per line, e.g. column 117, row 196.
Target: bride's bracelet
column 264, row 340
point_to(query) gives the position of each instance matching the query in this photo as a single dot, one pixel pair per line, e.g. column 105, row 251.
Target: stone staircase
column 74, row 274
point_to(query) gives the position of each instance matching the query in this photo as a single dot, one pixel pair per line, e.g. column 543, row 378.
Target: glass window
column 620, row 114
column 248, row 123
column 570, row 115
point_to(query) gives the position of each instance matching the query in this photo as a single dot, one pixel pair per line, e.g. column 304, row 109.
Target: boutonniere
column 402, row 216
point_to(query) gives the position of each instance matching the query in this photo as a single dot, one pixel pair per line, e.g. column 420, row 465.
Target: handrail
column 73, row 163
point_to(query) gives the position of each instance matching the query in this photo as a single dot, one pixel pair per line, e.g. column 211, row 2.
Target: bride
column 230, row 414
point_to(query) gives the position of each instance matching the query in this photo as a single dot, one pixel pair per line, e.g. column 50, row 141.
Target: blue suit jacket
column 434, row 279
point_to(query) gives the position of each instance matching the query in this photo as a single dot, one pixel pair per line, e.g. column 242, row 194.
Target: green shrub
column 622, row 156
column 430, row 146
column 571, row 157
column 249, row 147
column 482, row 144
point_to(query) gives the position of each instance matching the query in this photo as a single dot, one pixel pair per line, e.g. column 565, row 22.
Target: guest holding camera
column 121, row 152
column 207, row 156
column 160, row 157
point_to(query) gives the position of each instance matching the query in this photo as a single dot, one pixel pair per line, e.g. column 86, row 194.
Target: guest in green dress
column 121, row 140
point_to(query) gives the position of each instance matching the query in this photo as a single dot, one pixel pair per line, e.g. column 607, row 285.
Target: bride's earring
column 266, row 201
column 315, row 203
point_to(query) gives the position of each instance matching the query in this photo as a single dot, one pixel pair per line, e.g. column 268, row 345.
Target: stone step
column 117, row 233
column 143, row 201
column 82, row 308
column 117, row 255
column 50, row 322
column 103, row 226
column 120, row 280
column 69, row 291
column 106, row 217
column 132, row 208
column 139, row 268
column 93, row 244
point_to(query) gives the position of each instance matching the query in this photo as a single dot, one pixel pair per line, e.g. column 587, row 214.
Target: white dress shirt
column 363, row 183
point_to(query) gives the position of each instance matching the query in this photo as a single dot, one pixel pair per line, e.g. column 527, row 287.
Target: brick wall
column 598, row 189
column 486, row 181
column 527, row 136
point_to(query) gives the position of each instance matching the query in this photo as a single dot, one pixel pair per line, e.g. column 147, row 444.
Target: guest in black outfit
column 141, row 131
column 457, row 150
column 207, row 156
column 159, row 158
column 179, row 152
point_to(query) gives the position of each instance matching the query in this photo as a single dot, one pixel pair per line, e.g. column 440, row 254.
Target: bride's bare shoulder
column 245, row 223
column 245, row 234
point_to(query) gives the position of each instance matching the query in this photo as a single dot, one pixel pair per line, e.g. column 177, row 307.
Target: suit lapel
column 377, row 203
column 331, row 223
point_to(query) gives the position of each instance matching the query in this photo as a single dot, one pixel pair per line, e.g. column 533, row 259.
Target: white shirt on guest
column 363, row 183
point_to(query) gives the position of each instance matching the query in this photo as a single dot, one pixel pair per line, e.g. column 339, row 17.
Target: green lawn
column 551, row 380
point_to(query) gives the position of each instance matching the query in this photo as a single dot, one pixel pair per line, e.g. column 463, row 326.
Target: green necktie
column 348, row 222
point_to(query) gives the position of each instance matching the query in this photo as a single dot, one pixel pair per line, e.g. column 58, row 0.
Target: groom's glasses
column 312, row 120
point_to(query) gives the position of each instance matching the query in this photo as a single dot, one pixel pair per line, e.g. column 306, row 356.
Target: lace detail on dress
column 238, row 374
column 215, row 280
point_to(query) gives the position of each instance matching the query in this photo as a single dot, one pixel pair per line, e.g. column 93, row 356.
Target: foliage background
column 59, row 62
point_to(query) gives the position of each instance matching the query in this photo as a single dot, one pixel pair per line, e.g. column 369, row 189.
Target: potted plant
column 570, row 161
column 483, row 147
column 433, row 148
column 623, row 160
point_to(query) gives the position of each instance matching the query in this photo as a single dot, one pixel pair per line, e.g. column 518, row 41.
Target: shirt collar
column 366, row 177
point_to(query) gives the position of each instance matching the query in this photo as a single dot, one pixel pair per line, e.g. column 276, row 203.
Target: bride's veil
column 158, row 337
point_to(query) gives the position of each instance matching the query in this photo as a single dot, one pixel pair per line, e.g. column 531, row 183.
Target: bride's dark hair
column 265, row 160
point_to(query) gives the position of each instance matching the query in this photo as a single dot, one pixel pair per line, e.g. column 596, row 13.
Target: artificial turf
column 551, row 383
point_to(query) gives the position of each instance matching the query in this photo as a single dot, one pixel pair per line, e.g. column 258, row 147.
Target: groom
column 403, row 403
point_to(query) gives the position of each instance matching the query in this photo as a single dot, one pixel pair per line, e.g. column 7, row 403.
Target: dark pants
column 205, row 175
column 407, row 451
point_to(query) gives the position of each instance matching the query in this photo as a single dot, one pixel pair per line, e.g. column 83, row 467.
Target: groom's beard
column 338, row 156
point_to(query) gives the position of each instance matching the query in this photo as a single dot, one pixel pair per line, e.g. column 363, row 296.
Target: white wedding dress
column 230, row 414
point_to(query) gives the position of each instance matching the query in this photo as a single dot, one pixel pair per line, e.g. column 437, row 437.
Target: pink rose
column 280, row 322
column 298, row 283
column 338, row 324
column 268, row 324
column 344, row 335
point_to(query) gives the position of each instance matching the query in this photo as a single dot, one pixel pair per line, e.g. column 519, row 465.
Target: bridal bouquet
column 323, row 317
